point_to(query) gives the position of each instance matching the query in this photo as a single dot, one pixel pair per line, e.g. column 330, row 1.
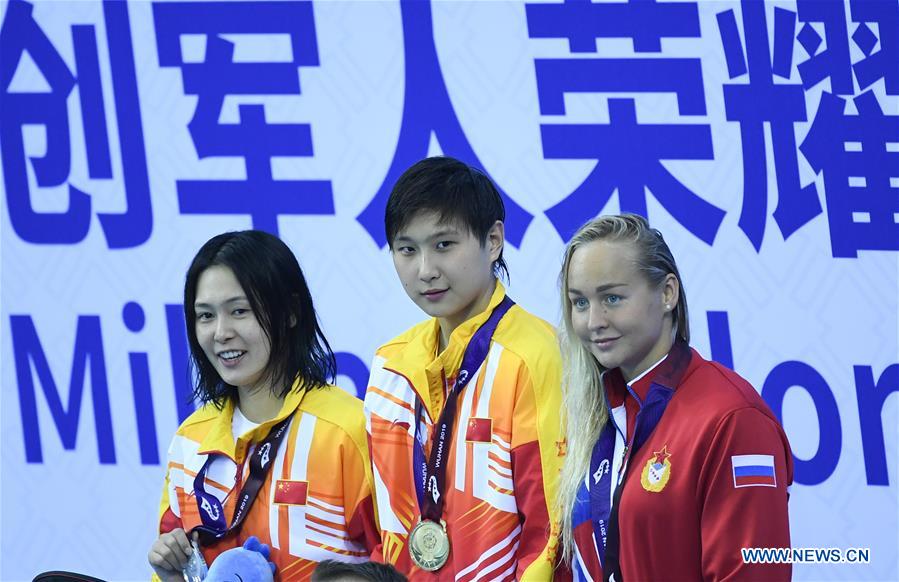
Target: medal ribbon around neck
column 431, row 481
column 428, row 541
column 212, row 513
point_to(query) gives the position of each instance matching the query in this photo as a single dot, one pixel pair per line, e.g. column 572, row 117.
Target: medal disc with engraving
column 429, row 545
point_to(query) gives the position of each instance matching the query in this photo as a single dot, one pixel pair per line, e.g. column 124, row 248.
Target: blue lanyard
column 601, row 472
column 601, row 488
column 212, row 513
column 419, row 465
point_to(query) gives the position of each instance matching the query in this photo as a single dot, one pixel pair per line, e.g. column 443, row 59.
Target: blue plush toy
column 247, row 564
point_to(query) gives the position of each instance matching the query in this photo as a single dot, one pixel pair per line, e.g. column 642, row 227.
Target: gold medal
column 429, row 545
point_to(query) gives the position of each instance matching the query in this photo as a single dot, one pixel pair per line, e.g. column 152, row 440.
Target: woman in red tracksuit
column 674, row 463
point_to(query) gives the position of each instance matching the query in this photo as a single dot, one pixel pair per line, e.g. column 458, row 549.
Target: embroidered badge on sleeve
column 753, row 470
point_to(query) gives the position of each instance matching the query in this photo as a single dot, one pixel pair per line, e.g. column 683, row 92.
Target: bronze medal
column 429, row 545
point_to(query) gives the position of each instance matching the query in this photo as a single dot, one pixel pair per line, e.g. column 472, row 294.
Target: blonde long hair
column 583, row 393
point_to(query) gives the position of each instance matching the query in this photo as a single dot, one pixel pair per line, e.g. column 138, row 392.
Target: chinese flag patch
column 480, row 430
column 291, row 492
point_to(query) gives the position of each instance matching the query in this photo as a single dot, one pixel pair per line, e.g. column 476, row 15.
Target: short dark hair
column 333, row 570
column 455, row 191
column 269, row 274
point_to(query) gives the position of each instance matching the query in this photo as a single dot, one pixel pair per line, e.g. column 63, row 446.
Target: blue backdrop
column 761, row 138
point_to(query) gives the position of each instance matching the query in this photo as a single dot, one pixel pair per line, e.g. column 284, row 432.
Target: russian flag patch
column 753, row 470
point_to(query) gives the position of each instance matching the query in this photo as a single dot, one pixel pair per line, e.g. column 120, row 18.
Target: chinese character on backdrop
column 628, row 153
column 218, row 71
column 45, row 100
column 427, row 109
column 761, row 101
column 850, row 150
column 852, row 142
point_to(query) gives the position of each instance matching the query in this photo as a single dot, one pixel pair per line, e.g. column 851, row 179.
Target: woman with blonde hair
column 674, row 463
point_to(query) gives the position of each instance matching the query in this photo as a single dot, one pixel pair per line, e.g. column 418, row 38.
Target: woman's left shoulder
column 718, row 384
column 332, row 403
column 337, row 407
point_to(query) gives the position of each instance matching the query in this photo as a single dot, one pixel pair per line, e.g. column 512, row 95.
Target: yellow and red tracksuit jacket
column 504, row 460
column 315, row 503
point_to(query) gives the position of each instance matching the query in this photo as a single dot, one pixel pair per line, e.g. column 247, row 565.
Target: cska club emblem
column 657, row 471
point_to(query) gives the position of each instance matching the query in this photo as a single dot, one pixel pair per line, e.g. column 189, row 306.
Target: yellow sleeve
column 536, row 460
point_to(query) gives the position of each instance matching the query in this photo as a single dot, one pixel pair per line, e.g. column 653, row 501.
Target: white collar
column 647, row 371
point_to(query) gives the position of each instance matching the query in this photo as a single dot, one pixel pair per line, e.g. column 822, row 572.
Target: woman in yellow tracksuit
column 275, row 451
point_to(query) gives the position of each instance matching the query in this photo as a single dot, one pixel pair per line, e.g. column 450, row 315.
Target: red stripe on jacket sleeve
column 363, row 528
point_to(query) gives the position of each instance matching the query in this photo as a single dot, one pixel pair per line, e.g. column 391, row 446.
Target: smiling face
column 445, row 269
column 623, row 320
column 228, row 332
